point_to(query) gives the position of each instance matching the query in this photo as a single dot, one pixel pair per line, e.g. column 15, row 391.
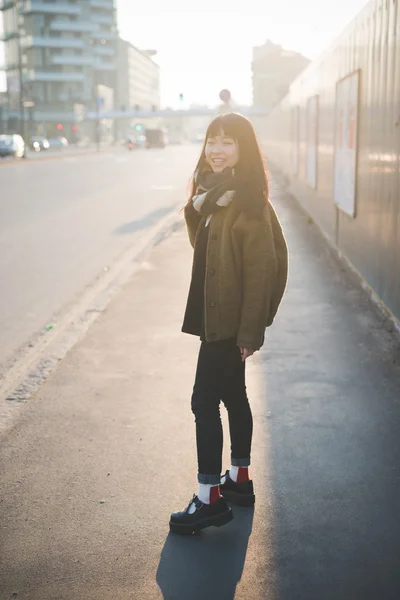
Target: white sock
column 233, row 474
column 192, row 508
column 207, row 492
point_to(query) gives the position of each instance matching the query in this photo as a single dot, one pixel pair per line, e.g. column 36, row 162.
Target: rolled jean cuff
column 209, row 479
column 240, row 462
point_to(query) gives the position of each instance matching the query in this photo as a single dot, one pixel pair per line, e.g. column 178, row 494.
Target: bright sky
column 203, row 47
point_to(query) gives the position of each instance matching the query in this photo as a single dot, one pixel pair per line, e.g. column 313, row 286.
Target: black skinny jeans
column 220, row 376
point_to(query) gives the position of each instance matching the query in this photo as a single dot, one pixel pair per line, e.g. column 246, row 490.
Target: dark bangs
column 223, row 125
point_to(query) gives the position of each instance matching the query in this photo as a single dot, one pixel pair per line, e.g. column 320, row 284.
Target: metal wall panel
column 370, row 240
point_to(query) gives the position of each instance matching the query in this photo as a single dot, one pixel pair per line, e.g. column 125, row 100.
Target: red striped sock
column 215, row 493
column 239, row 474
column 243, row 475
column 209, row 493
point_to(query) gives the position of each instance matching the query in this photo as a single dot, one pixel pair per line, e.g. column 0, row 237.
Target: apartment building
column 138, row 78
column 57, row 53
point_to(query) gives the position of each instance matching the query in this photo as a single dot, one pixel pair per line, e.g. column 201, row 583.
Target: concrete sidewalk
column 106, row 450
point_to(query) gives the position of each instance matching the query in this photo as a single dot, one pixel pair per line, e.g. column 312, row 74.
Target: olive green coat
column 246, row 273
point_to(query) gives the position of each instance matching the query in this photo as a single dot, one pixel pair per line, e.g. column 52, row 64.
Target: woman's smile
column 218, row 162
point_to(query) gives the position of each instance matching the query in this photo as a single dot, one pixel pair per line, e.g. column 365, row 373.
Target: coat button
column 212, row 304
column 212, row 272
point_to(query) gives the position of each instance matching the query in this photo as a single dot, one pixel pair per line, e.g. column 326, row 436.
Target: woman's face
column 221, row 151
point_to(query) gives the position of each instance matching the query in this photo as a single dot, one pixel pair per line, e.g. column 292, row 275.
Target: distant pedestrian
column 238, row 279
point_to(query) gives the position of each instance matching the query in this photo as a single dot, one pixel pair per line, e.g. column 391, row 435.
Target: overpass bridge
column 92, row 115
column 250, row 111
column 115, row 123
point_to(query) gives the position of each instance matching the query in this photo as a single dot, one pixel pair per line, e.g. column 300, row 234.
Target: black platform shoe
column 218, row 513
column 241, row 494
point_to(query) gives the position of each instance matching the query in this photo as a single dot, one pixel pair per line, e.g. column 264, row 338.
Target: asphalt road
column 105, row 450
column 62, row 221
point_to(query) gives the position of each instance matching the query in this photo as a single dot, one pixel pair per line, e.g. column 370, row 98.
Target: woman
column 238, row 280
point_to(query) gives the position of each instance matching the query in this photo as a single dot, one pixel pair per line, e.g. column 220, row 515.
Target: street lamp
column 93, row 42
column 21, row 80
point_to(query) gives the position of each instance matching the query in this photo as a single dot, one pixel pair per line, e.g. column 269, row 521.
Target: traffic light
column 138, row 127
column 75, row 127
column 181, row 97
column 59, row 127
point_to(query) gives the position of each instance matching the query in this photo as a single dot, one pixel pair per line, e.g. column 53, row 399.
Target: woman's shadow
column 206, row 565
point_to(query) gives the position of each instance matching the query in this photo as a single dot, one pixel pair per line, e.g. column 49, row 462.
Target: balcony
column 102, row 35
column 10, row 67
column 9, row 35
column 6, row 4
column 60, row 59
column 101, row 65
column 34, row 75
column 106, row 50
column 33, row 6
column 49, row 42
column 74, row 26
column 102, row 19
column 107, row 4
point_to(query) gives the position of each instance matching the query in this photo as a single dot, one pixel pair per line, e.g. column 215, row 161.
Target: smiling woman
column 238, row 280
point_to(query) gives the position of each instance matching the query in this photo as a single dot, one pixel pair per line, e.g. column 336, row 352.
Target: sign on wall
column 346, row 143
column 312, row 141
column 295, row 138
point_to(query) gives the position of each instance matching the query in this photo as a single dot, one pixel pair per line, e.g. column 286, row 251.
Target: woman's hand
column 245, row 353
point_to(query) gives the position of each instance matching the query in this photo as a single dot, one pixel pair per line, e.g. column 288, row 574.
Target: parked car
column 58, row 143
column 12, row 145
column 38, row 144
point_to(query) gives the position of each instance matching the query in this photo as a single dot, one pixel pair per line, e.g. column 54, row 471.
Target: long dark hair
column 250, row 171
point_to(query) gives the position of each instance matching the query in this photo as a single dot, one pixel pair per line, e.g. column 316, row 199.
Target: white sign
column 346, row 144
column 295, row 138
column 312, row 141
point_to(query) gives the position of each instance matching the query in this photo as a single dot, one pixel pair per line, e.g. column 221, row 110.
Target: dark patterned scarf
column 214, row 185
